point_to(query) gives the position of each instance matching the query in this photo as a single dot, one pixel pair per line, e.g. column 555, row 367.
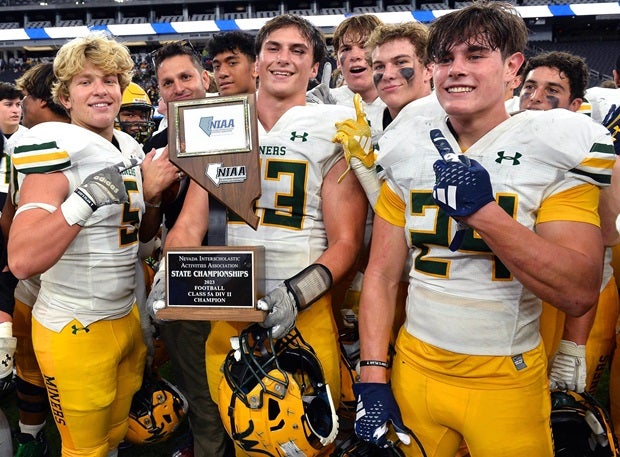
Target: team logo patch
column 501, row 156
column 303, row 137
column 75, row 329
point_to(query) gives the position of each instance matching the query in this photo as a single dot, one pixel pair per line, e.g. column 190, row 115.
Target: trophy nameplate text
column 214, row 283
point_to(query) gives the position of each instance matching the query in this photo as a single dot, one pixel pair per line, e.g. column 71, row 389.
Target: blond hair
column 100, row 50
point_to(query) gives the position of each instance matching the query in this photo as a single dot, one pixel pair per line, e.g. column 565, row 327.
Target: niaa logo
column 214, row 126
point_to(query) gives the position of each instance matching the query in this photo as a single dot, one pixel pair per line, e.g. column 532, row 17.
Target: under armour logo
column 501, row 155
column 75, row 329
column 7, row 360
column 303, row 137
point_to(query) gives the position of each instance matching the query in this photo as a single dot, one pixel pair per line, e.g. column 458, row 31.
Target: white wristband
column 368, row 179
column 76, row 210
column 571, row 348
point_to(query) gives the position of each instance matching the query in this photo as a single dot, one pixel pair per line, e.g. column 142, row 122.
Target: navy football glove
column 376, row 407
column 612, row 122
column 462, row 185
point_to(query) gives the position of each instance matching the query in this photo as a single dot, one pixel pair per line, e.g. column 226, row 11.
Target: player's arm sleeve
column 577, row 204
column 390, row 206
column 40, row 158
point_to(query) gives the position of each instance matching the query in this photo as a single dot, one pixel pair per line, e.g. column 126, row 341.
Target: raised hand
column 104, row 187
column 462, row 185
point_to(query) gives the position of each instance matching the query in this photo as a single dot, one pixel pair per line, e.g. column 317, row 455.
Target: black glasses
column 181, row 47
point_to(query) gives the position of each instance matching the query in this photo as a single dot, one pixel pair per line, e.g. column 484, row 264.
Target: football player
column 76, row 224
column 38, row 106
column 349, row 43
column 10, row 117
column 490, row 223
column 136, row 115
column 311, row 237
column 233, row 57
column 579, row 348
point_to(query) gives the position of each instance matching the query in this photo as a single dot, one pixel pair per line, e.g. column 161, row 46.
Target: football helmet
column 581, row 426
column 135, row 99
column 273, row 399
column 157, row 409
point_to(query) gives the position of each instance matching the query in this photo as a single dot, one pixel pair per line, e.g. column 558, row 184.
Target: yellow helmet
column 136, row 99
column 273, row 399
column 157, row 410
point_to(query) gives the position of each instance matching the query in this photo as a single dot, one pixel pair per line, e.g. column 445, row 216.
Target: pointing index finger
column 359, row 109
column 445, row 150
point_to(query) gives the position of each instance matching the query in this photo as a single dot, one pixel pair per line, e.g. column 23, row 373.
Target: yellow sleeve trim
column 390, row 207
column 577, row 204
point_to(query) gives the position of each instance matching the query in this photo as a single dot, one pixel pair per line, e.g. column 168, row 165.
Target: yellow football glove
column 356, row 140
column 355, row 137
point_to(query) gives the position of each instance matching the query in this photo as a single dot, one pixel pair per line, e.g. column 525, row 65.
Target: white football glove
column 157, row 297
column 568, row 367
column 104, row 187
column 8, row 343
column 293, row 295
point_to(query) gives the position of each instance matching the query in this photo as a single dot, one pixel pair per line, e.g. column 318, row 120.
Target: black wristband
column 86, row 198
column 374, row 363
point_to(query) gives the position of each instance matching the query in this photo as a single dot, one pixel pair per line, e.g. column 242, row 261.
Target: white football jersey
column 602, row 100
column 95, row 277
column 5, row 162
column 467, row 301
column 295, row 156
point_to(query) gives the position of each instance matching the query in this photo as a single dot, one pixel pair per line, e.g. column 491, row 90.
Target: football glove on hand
column 157, row 297
column 568, row 367
column 321, row 93
column 612, row 122
column 462, row 186
column 375, row 407
column 293, row 295
column 356, row 140
column 104, row 187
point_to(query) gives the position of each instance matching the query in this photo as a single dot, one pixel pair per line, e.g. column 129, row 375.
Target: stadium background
column 33, row 30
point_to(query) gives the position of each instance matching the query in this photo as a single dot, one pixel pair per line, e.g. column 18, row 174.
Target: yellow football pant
column 601, row 342
column 25, row 359
column 91, row 374
column 445, row 397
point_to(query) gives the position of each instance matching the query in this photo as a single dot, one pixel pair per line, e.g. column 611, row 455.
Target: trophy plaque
column 215, row 142
column 214, row 283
